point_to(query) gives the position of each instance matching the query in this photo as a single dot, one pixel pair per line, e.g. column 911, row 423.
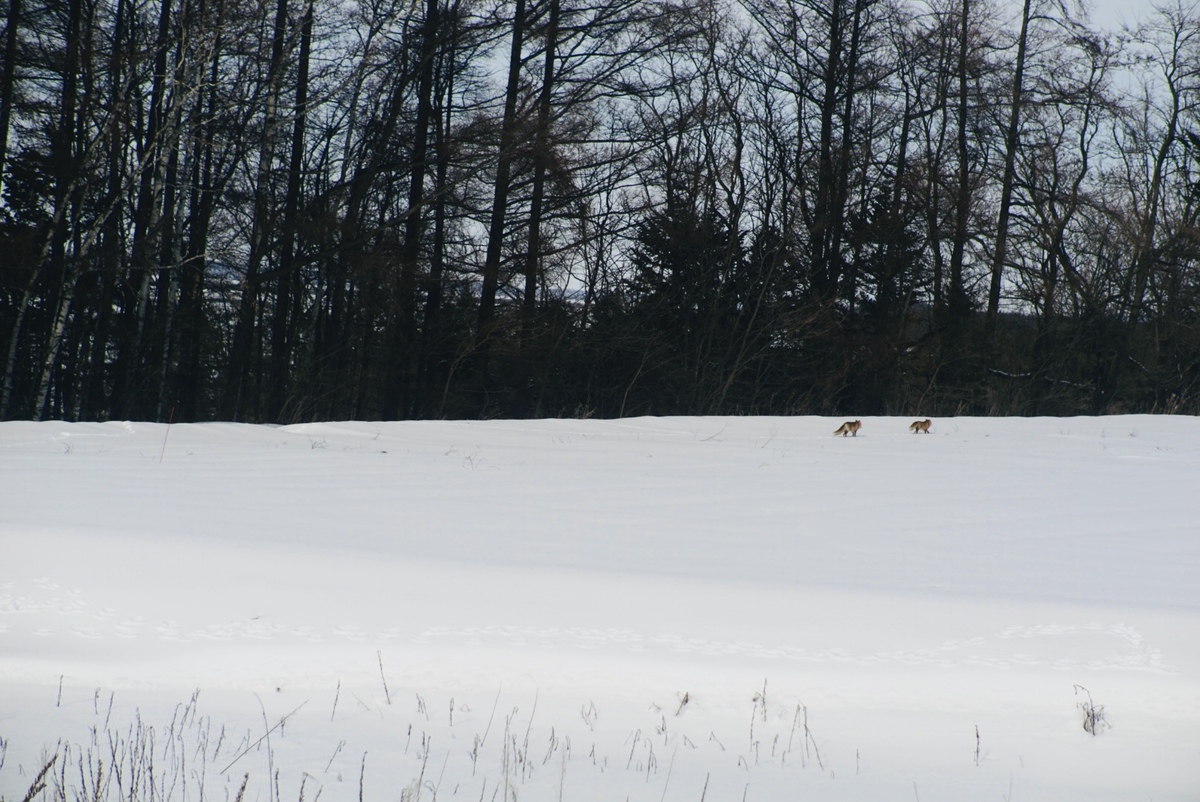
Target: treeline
column 284, row 210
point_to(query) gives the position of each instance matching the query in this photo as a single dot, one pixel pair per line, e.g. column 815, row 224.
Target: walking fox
column 849, row 427
column 920, row 426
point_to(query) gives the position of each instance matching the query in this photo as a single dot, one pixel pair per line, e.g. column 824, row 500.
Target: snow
column 644, row 609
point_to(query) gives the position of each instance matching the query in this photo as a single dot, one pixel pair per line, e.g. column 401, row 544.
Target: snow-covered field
column 651, row 609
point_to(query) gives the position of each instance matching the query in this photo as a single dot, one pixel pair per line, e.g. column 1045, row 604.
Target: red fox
column 849, row 427
column 920, row 426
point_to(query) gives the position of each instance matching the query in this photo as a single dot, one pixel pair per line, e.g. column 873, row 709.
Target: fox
column 849, row 427
column 920, row 426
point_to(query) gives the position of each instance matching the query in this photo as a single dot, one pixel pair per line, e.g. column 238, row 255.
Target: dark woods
column 285, row 210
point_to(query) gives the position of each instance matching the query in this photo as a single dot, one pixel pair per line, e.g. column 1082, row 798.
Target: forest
column 287, row 210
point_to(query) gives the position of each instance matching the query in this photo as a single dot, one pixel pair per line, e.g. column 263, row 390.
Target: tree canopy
column 282, row 210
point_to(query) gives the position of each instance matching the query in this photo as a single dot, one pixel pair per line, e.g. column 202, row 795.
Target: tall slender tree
column 505, row 155
column 283, row 327
column 1011, row 145
column 8, row 78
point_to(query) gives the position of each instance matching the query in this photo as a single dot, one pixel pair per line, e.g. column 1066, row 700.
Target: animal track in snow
column 1069, row 647
column 350, row 633
column 129, row 628
column 1065, row 647
column 18, row 604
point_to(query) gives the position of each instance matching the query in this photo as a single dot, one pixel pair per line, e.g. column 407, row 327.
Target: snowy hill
column 653, row 609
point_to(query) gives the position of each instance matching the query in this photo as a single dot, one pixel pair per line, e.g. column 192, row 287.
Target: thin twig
column 245, row 751
column 383, row 678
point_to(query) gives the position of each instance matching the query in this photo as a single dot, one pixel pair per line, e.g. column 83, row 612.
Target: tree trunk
column 432, row 349
column 398, row 400
column 191, row 330
column 495, row 242
column 54, row 345
column 8, row 80
column 60, row 278
column 956, row 295
column 283, row 324
column 843, row 172
column 166, row 285
column 825, row 271
column 540, row 156
column 96, row 401
column 237, row 402
column 145, row 225
column 1011, row 143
